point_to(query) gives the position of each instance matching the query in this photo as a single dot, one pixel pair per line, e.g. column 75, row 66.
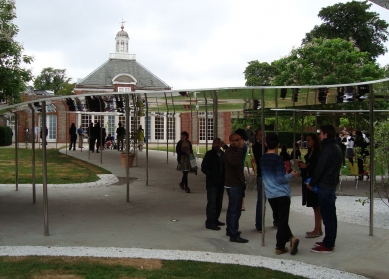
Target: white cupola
column 121, row 41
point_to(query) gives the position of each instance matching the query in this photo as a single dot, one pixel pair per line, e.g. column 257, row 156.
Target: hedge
column 5, row 136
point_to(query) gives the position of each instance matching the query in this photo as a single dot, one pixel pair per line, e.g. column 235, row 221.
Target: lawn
column 90, row 268
column 61, row 168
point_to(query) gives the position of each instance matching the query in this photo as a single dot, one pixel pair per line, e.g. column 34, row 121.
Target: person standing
column 73, row 136
column 47, row 133
column 341, row 140
column 80, row 132
column 36, row 133
column 235, row 184
column 183, row 150
column 141, row 138
column 307, row 169
column 91, row 137
column 120, row 134
column 324, row 181
column 250, row 137
column 213, row 167
column 97, row 133
column 257, row 150
column 277, row 189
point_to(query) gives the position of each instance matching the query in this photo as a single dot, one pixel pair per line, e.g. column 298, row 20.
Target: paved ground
column 101, row 217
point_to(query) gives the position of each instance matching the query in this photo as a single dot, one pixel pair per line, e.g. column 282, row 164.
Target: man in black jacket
column 213, row 167
column 324, row 182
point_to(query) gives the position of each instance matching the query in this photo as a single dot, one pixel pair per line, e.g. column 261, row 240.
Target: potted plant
column 131, row 157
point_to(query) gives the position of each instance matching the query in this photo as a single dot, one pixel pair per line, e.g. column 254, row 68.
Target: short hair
column 329, row 130
column 185, row 133
column 272, row 140
column 242, row 134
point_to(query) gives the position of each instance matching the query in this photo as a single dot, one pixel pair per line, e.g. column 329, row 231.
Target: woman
column 183, row 150
column 73, row 136
column 350, row 148
column 286, row 157
column 307, row 170
column 141, row 138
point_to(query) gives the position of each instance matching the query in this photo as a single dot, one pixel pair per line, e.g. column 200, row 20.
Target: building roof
column 382, row 3
column 102, row 76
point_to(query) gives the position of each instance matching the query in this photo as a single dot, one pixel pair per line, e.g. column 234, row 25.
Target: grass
column 61, row 168
column 90, row 268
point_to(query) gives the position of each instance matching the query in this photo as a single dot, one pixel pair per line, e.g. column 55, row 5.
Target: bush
column 5, row 136
column 287, row 138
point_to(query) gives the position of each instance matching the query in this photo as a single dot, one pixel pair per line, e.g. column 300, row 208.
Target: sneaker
column 321, row 244
column 322, row 249
column 294, row 242
column 281, row 251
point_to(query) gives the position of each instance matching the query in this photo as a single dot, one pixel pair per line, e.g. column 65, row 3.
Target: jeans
column 184, row 179
column 234, row 210
column 281, row 208
column 327, row 200
column 258, row 212
column 214, row 205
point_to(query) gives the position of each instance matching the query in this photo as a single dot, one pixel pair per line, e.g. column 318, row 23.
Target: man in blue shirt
column 277, row 190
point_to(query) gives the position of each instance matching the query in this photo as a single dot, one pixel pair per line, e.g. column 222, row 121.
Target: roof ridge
column 98, row 68
column 152, row 73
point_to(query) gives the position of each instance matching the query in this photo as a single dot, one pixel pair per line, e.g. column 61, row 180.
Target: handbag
column 193, row 163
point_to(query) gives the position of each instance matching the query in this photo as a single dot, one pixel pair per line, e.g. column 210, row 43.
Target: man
column 120, row 134
column 213, row 167
column 234, row 184
column 250, row 137
column 257, row 150
column 80, row 132
column 325, row 180
column 277, row 188
column 341, row 140
column 36, row 133
column 91, row 137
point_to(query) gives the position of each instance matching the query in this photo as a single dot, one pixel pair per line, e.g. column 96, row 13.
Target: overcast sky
column 186, row 43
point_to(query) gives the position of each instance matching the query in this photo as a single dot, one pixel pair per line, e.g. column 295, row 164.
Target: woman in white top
column 350, row 148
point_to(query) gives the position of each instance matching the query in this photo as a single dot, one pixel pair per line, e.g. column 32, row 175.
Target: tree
column 258, row 74
column 352, row 21
column 13, row 77
column 386, row 71
column 325, row 61
column 67, row 89
column 51, row 79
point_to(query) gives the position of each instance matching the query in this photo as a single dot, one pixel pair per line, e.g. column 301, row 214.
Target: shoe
column 281, row 251
column 238, row 239
column 187, row 189
column 322, row 249
column 309, row 235
column 182, row 186
column 259, row 230
column 243, row 209
column 294, row 242
column 214, row 227
column 228, row 234
column 320, row 243
column 218, row 223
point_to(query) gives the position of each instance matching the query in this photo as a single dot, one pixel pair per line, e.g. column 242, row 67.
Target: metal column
column 44, row 172
column 127, row 107
column 147, row 140
column 167, row 130
column 372, row 163
column 33, row 156
column 16, row 152
column 263, row 152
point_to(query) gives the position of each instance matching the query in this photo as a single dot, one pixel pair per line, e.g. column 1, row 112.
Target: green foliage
column 67, row 89
column 353, row 20
column 386, row 71
column 5, row 136
column 53, row 79
column 326, row 61
column 13, row 77
column 258, row 74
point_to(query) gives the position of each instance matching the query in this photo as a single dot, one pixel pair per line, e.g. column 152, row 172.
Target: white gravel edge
column 290, row 266
column 105, row 180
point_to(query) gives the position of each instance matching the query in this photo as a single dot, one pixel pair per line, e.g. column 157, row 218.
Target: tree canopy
column 258, row 74
column 52, row 79
column 353, row 21
column 13, row 77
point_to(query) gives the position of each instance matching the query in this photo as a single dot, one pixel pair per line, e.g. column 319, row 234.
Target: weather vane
column 122, row 23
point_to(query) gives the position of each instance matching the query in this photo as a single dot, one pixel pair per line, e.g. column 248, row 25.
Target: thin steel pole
column 16, row 152
column 206, row 121
column 276, row 103
column 167, row 130
column 263, row 152
column 134, row 128
column 101, row 133
column 147, row 140
column 174, row 128
column 127, row 106
column 44, row 172
column 33, row 156
column 372, row 163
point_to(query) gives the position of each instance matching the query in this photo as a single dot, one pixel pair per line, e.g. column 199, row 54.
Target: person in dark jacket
column 97, row 133
column 91, row 137
column 235, row 184
column 309, row 198
column 73, row 136
column 183, row 150
column 361, row 153
column 324, row 181
column 341, row 140
column 213, row 167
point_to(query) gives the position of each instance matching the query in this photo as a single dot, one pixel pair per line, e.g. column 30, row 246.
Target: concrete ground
column 101, row 217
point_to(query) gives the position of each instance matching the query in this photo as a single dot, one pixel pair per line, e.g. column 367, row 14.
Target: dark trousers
column 258, row 212
column 360, row 167
column 327, row 200
column 184, row 179
column 234, row 210
column 214, row 205
column 344, row 157
column 73, row 143
column 281, row 208
column 92, row 144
